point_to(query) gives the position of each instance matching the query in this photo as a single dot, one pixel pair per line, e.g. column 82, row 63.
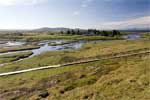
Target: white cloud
column 76, row 13
column 114, row 0
column 85, row 3
column 142, row 22
column 20, row 2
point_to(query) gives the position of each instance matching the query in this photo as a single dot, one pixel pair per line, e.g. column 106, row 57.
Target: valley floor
column 124, row 78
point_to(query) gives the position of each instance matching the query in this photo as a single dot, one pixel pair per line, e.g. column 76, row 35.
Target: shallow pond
column 46, row 47
column 134, row 36
column 11, row 44
column 70, row 46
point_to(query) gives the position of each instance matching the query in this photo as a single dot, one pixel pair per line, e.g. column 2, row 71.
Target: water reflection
column 11, row 43
column 132, row 37
column 46, row 47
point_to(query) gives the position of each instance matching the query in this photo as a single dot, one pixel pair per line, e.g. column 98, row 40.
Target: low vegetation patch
column 13, row 57
column 114, row 79
column 80, row 82
column 18, row 48
column 145, row 35
column 89, row 34
column 88, row 51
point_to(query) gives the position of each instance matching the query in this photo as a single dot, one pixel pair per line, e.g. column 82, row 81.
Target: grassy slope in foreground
column 13, row 57
column 89, row 50
column 114, row 79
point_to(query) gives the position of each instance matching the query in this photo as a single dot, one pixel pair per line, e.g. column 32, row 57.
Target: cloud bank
column 20, row 2
column 142, row 22
column 84, row 4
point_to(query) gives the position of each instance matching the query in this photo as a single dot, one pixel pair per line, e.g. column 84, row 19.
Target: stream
column 45, row 47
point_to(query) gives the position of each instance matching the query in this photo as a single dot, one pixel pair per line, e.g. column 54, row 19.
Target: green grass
column 45, row 36
column 80, row 82
column 88, row 51
column 68, row 37
column 145, row 35
column 13, row 57
column 124, row 78
column 18, row 48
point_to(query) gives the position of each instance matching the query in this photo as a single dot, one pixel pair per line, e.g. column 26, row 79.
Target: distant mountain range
column 59, row 29
column 47, row 29
column 43, row 29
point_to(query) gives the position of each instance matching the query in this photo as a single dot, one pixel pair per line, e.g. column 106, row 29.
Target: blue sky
column 100, row 14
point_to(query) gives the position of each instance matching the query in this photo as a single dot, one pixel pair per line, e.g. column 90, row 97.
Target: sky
column 99, row 14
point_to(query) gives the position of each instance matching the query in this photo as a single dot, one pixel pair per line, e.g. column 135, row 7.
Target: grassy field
column 88, row 51
column 124, row 78
column 46, row 36
column 145, row 35
column 18, row 48
column 13, row 57
column 36, row 37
